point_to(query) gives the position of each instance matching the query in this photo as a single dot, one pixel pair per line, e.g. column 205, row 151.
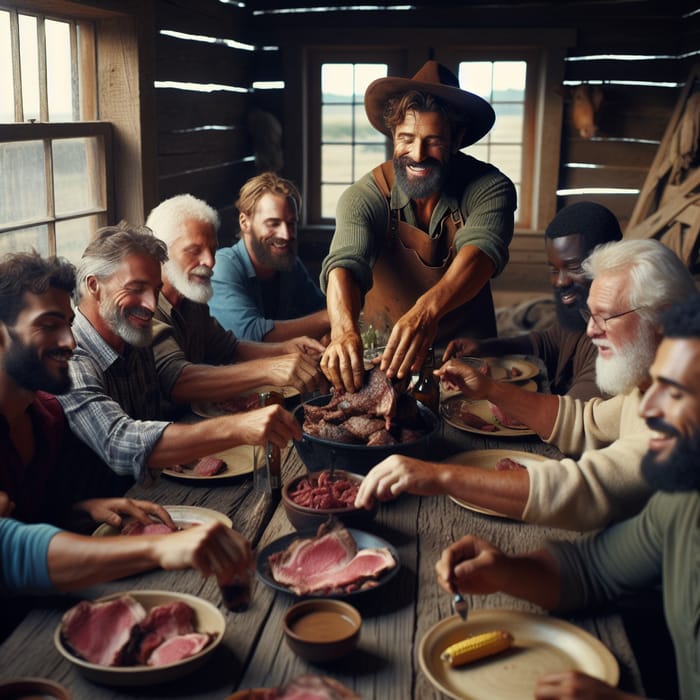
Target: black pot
column 318, row 454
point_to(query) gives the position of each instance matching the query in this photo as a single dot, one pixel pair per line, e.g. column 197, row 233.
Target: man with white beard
column 197, row 359
column 599, row 481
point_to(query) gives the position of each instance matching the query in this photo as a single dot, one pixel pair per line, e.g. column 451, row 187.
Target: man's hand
column 472, row 565
column 112, row 510
column 305, row 344
column 461, row 347
column 463, row 377
column 269, row 424
column 408, row 344
column 212, row 548
column 574, row 685
column 297, row 369
column 398, row 474
column 343, row 363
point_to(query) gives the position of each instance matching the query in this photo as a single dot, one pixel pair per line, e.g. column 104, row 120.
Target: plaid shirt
column 114, row 404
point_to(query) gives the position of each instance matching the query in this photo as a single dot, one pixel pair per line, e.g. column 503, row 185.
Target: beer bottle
column 427, row 387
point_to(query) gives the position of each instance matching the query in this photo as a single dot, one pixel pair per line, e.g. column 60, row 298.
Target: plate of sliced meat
column 221, row 465
column 500, row 460
column 139, row 637
column 238, row 404
column 509, row 368
column 183, row 517
column 481, row 417
column 333, row 562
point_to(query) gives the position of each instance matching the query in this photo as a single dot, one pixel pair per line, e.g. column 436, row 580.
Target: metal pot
column 318, row 454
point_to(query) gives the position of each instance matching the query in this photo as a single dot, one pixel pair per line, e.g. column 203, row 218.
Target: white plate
column 450, row 411
column 181, row 515
column 239, row 460
column 214, row 409
column 511, row 368
column 542, row 645
column 207, row 620
column 486, row 459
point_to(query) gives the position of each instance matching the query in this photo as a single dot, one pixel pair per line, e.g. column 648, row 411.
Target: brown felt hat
column 441, row 82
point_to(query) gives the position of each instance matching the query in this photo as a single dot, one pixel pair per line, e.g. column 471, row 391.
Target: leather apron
column 410, row 263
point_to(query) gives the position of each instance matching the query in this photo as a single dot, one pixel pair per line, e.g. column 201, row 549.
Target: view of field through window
column 351, row 147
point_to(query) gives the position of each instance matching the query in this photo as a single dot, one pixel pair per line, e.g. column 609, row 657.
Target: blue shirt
column 24, row 566
column 238, row 304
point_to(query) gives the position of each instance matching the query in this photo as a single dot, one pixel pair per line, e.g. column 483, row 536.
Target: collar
column 92, row 343
column 244, row 255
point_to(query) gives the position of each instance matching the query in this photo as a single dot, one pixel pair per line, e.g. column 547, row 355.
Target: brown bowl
column 18, row 688
column 322, row 629
column 309, row 518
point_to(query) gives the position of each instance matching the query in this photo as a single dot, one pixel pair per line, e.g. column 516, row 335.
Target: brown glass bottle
column 427, row 387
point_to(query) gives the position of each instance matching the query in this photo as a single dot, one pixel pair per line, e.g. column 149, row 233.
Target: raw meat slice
column 508, row 464
column 474, row 421
column 208, row 466
column 177, row 648
column 134, row 527
column 98, row 631
column 504, row 419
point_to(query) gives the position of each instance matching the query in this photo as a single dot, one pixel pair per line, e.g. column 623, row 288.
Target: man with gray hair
column 196, row 358
column 599, row 481
column 115, row 405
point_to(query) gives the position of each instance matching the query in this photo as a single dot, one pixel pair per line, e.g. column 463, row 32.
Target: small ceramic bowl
column 322, row 630
column 17, row 688
column 309, row 518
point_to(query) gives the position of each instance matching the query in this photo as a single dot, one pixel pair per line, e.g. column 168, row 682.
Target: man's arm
column 315, row 325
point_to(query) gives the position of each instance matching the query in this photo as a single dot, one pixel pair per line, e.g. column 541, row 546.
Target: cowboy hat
column 437, row 80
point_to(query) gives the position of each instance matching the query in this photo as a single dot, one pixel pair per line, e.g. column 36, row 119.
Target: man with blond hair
column 262, row 290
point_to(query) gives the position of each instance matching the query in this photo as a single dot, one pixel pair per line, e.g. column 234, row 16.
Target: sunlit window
column 53, row 169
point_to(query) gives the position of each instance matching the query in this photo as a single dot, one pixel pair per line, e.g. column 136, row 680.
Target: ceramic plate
column 207, row 619
column 527, row 385
column 239, row 460
column 214, row 409
column 542, row 645
column 486, row 459
column 451, row 410
column 364, row 540
column 511, row 368
column 183, row 516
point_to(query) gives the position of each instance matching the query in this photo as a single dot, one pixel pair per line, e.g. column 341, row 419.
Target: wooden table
column 254, row 653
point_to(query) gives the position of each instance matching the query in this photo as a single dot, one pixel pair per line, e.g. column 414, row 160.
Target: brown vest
column 410, row 263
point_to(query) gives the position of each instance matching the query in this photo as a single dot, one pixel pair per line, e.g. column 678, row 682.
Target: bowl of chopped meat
column 311, row 499
column 356, row 431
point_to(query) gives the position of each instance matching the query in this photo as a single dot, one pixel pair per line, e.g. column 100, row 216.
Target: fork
column 461, row 606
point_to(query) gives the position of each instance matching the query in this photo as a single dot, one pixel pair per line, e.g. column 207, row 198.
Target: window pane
column 75, row 175
column 367, row 158
column 22, row 196
column 336, row 164
column 29, row 66
column 364, row 131
column 336, row 82
column 329, row 196
column 73, row 236
column 58, row 69
column 7, row 98
column 475, row 76
column 479, row 150
column 508, row 159
column 509, row 124
column 36, row 237
column 509, row 78
column 336, row 123
column 365, row 73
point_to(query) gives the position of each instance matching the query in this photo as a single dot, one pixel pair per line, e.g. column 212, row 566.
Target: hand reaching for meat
column 460, row 347
column 574, row 685
column 408, row 344
column 269, row 424
column 304, row 344
column 112, row 510
column 466, row 379
column 343, row 362
column 297, row 369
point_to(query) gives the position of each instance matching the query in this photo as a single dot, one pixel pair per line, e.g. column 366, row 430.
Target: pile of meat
column 309, row 687
column 329, row 563
column 325, row 491
column 377, row 414
column 120, row 632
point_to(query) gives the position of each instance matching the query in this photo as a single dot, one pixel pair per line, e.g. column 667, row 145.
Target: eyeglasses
column 602, row 321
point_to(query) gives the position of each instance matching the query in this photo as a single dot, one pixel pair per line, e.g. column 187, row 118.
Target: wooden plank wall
column 626, row 44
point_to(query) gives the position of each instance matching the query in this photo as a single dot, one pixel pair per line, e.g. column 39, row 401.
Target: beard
column 23, row 365
column 268, row 256
column 118, row 323
column 424, row 187
column 679, row 471
column 200, row 292
column 569, row 315
column 629, row 366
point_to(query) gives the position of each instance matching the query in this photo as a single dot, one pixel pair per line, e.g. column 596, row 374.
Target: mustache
column 202, row 271
column 406, row 161
column 141, row 313
column 661, row 426
column 60, row 353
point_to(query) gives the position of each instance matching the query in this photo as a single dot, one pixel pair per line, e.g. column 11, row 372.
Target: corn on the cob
column 477, row 647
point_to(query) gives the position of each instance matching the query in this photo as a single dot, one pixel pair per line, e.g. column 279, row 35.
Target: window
column 53, row 164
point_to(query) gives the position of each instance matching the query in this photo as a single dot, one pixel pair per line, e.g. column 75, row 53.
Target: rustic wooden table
column 254, row 653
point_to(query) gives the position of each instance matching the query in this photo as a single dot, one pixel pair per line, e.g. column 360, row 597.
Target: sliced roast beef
column 98, row 631
column 504, row 419
column 381, row 437
column 507, row 464
column 314, row 687
column 208, row 466
column 178, row 647
column 363, row 426
column 474, row 421
column 328, row 563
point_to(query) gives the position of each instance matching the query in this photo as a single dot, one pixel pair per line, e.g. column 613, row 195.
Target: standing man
column 566, row 350
column 657, row 547
column 418, row 239
column 262, row 291
column 197, row 360
column 599, row 481
column 115, row 403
